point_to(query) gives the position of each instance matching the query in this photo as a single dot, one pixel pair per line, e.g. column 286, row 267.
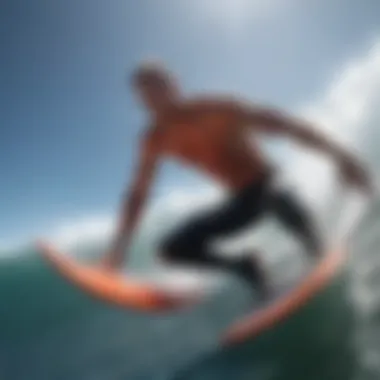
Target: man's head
column 155, row 85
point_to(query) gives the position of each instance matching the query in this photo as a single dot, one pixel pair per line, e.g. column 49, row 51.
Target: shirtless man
column 209, row 133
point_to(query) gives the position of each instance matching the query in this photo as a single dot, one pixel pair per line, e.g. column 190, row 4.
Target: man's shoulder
column 206, row 101
column 219, row 103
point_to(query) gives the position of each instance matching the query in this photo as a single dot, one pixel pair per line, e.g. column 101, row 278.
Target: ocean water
column 50, row 330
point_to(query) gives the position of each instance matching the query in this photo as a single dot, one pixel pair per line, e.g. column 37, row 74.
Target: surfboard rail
column 119, row 289
column 112, row 286
column 262, row 320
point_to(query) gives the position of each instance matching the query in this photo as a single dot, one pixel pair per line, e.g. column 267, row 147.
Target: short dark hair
column 150, row 71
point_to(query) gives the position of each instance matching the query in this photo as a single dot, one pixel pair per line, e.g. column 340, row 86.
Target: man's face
column 155, row 94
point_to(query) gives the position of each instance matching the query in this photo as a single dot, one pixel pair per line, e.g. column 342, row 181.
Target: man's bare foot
column 252, row 271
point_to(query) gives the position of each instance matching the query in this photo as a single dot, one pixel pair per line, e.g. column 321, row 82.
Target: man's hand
column 114, row 258
column 355, row 174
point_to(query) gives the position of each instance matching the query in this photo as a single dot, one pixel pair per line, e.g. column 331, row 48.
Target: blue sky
column 69, row 123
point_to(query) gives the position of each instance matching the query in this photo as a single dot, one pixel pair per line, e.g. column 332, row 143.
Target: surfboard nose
column 113, row 287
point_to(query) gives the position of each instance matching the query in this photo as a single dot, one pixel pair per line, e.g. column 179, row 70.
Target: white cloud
column 234, row 15
column 346, row 111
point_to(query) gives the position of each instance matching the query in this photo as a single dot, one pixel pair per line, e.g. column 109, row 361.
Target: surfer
column 209, row 133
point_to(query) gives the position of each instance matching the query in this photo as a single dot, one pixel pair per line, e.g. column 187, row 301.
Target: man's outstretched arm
column 133, row 203
column 277, row 123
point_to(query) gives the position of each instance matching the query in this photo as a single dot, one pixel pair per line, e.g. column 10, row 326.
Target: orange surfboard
column 114, row 287
column 119, row 289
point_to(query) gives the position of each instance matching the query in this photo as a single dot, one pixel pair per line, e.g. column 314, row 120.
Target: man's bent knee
column 171, row 250
column 175, row 250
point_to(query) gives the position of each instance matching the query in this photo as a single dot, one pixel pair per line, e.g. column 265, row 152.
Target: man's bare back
column 211, row 134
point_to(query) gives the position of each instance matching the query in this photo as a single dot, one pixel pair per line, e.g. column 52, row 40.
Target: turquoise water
column 50, row 330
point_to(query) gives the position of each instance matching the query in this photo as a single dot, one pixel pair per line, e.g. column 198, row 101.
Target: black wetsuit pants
column 190, row 244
